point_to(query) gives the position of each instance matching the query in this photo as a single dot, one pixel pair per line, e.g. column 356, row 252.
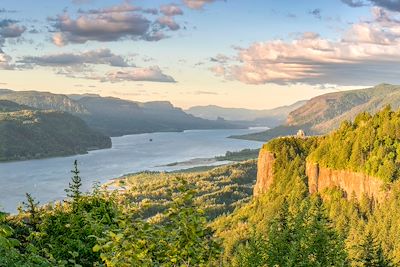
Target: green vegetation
column 218, row 191
column 370, row 145
column 324, row 113
column 26, row 133
column 210, row 219
column 244, row 154
column 114, row 116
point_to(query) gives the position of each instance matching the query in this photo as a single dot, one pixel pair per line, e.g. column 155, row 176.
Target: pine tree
column 31, row 207
column 74, row 189
column 304, row 238
column 371, row 253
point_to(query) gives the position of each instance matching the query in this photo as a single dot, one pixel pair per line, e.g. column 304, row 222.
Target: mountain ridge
column 324, row 113
column 27, row 133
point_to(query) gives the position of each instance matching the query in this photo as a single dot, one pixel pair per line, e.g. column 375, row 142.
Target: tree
column 304, row 238
column 31, row 207
column 371, row 253
column 74, row 189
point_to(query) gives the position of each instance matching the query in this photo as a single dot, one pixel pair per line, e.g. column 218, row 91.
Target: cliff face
column 350, row 182
column 265, row 177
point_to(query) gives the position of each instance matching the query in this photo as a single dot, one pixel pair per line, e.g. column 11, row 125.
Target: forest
column 210, row 218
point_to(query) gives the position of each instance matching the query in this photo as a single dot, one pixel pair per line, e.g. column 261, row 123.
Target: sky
column 255, row 54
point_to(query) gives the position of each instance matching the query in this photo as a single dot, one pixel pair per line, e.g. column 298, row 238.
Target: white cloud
column 151, row 74
column 368, row 52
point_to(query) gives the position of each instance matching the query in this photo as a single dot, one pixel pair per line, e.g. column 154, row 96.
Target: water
column 46, row 179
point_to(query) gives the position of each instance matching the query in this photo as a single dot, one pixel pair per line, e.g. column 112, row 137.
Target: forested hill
column 42, row 100
column 114, row 116
column 324, row 113
column 371, row 145
column 27, row 133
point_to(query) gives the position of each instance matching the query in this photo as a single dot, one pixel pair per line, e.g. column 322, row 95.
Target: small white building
column 301, row 134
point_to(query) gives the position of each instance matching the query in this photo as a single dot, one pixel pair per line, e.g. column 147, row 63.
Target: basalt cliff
column 353, row 184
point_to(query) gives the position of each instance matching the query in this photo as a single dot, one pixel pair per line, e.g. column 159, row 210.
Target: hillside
column 27, row 133
column 325, row 113
column 43, row 100
column 115, row 117
column 268, row 117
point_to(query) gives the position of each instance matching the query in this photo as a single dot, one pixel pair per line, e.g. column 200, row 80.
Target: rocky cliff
column 352, row 183
column 319, row 178
column 265, row 177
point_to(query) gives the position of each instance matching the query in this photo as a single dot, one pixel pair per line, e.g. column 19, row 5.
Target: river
column 46, row 179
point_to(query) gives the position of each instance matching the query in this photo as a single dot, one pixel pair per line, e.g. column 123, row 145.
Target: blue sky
column 256, row 54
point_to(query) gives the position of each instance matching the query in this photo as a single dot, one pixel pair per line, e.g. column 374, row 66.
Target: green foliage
column 26, row 133
column 370, row 253
column 242, row 155
column 370, row 145
column 218, row 191
column 302, row 237
column 74, row 190
column 182, row 238
column 10, row 256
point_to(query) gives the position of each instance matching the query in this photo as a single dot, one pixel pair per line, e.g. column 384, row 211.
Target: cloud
column 393, row 5
column 10, row 29
column 100, row 56
column 368, row 53
column 220, row 58
column 169, row 22
column 205, row 93
column 151, row 74
column 171, row 10
column 5, row 61
column 354, row 3
column 316, row 13
column 197, row 4
column 109, row 24
column 3, row 10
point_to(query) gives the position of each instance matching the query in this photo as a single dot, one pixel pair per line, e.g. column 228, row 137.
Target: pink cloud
column 371, row 47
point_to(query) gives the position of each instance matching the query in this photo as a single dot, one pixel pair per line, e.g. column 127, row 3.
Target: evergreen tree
column 31, row 207
column 371, row 253
column 304, row 238
column 74, row 188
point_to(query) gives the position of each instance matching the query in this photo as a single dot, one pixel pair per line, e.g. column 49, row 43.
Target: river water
column 46, row 179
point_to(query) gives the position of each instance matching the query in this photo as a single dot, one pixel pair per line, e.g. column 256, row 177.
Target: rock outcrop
column 352, row 183
column 265, row 175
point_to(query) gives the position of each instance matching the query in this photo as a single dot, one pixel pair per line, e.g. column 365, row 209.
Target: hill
column 43, row 100
column 268, row 117
column 325, row 113
column 27, row 133
column 115, row 117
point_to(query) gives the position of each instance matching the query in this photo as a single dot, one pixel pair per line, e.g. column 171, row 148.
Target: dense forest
column 27, row 133
column 211, row 219
column 370, row 144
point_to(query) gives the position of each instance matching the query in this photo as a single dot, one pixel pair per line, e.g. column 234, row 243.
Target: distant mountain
column 27, row 133
column 324, row 113
column 115, row 117
column 42, row 100
column 267, row 117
